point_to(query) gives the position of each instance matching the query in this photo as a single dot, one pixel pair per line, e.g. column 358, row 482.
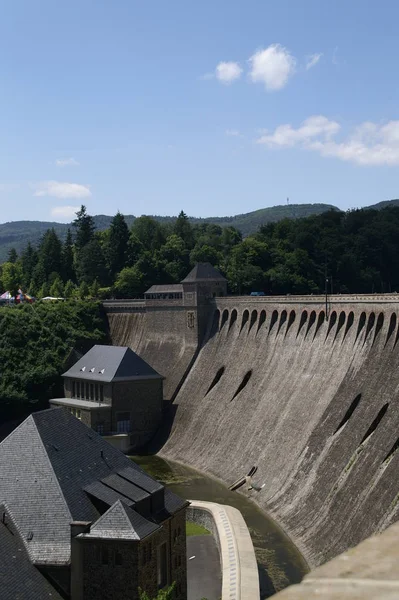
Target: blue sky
column 213, row 107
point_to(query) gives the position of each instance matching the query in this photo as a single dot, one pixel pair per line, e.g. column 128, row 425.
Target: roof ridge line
column 57, row 483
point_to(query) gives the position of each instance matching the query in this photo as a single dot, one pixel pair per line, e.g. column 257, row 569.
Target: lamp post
column 326, row 292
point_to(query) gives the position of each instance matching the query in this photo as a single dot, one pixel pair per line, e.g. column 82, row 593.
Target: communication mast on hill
column 292, row 209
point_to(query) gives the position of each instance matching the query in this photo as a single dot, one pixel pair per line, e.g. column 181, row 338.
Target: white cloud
column 232, row 132
column 312, row 60
column 272, row 67
column 64, row 212
column 369, row 144
column 227, row 72
column 286, row 135
column 66, row 162
column 58, row 189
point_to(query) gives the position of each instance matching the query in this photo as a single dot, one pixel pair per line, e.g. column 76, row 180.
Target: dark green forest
column 358, row 251
column 37, row 341
column 16, row 233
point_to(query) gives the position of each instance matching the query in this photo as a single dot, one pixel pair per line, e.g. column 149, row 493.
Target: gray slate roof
column 48, row 465
column 111, row 363
column 123, row 523
column 203, row 272
column 170, row 288
column 19, row 579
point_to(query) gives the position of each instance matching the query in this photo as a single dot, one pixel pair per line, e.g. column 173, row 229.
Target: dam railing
column 124, row 305
column 312, row 299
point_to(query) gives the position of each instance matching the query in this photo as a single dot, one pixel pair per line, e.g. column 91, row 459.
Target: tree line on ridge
column 357, row 251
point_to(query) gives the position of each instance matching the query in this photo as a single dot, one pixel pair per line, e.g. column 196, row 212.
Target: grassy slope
column 194, row 529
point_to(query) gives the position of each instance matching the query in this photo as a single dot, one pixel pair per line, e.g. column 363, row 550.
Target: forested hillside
column 358, row 251
column 16, row 234
column 35, row 343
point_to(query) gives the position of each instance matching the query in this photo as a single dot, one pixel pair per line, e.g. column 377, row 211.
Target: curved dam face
column 312, row 402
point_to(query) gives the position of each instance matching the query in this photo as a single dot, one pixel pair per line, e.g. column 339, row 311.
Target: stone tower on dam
column 305, row 390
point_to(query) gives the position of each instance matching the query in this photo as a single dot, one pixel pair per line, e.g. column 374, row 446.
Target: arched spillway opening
column 225, row 318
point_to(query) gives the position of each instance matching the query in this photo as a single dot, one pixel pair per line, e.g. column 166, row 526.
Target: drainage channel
column 279, row 561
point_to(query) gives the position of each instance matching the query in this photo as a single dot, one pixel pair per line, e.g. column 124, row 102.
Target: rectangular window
column 96, row 392
column 104, row 555
column 73, row 389
column 78, row 414
column 162, row 566
column 92, row 391
column 78, row 389
column 100, row 428
column 87, row 394
column 101, row 393
column 123, row 422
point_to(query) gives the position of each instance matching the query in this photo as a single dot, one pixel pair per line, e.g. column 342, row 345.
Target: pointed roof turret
column 203, row 272
column 122, row 523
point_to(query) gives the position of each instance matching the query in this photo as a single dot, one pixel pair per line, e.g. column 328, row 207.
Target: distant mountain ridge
column 16, row 234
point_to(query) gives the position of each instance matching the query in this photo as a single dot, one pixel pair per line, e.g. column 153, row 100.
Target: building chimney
column 77, row 527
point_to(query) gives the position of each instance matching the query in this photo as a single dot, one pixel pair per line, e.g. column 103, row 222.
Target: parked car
column 257, row 294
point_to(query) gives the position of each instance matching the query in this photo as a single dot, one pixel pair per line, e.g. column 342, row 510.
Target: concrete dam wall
column 312, row 402
column 160, row 340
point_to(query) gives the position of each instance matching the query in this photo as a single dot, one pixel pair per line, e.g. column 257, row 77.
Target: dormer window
column 92, row 370
column 83, row 369
column 102, row 371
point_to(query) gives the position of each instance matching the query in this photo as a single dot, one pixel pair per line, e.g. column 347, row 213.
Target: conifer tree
column 84, row 226
column 90, row 263
column 50, row 253
column 57, row 288
column 94, row 289
column 117, row 244
column 12, row 256
column 183, row 229
column 70, row 289
column 68, row 272
column 28, row 263
column 83, row 290
column 44, row 291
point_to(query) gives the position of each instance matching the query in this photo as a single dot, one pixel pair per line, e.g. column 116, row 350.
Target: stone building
column 191, row 298
column 80, row 520
column 116, row 393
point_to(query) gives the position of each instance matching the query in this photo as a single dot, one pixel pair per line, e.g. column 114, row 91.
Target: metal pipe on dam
column 309, row 398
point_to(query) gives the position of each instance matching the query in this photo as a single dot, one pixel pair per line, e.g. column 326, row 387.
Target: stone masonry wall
column 117, row 580
column 173, row 533
column 161, row 337
column 143, row 399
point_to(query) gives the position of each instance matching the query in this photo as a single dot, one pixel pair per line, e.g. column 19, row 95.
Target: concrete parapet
column 366, row 572
column 240, row 579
